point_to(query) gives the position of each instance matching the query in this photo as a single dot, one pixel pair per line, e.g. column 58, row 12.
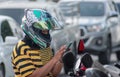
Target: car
column 99, row 25
column 117, row 3
column 10, row 33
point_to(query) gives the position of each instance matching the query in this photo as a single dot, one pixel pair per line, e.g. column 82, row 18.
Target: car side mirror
column 112, row 14
column 81, row 47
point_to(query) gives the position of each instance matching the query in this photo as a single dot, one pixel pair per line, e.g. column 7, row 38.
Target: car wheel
column 2, row 70
column 104, row 57
column 118, row 55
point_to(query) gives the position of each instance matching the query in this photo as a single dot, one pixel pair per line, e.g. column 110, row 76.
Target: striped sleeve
column 24, row 65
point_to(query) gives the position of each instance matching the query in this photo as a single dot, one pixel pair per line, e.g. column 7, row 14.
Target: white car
column 117, row 2
column 10, row 33
column 99, row 25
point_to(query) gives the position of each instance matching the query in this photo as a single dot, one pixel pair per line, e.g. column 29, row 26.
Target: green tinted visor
column 48, row 24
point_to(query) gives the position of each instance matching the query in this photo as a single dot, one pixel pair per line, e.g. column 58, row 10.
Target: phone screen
column 68, row 46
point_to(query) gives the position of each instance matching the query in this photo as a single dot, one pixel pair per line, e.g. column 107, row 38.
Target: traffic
column 91, row 27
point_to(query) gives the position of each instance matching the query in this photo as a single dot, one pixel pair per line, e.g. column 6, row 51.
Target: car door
column 115, row 29
column 7, row 47
column 115, row 25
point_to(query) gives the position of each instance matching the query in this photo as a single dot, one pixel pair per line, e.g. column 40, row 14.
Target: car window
column 85, row 8
column 6, row 30
column 92, row 9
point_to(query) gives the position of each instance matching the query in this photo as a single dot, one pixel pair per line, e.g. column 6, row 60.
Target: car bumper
column 95, row 42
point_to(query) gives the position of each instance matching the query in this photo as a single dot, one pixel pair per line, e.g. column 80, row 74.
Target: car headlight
column 95, row 27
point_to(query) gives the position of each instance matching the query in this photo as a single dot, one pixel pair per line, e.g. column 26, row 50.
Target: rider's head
column 36, row 24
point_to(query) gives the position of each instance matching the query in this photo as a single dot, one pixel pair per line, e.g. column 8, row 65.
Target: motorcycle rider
column 32, row 56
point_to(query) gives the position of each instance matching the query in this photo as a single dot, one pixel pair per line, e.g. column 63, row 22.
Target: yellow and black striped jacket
column 25, row 59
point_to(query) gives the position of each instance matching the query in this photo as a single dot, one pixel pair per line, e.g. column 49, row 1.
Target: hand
column 60, row 53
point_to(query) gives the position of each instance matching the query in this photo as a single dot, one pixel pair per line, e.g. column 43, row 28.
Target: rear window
column 92, row 9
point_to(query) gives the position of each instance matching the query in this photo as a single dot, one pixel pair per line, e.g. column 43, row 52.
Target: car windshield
column 92, row 9
column 69, row 9
column 17, row 14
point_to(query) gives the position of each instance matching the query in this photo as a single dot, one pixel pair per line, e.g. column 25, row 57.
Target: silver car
column 10, row 33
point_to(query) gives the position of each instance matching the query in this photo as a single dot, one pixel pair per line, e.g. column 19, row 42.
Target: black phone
column 68, row 46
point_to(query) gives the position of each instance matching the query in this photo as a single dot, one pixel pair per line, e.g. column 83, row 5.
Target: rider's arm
column 43, row 71
column 51, row 65
column 57, row 68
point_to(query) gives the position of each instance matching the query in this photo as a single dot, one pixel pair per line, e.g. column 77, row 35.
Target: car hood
column 85, row 20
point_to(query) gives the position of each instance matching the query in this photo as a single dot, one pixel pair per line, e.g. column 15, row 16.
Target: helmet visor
column 48, row 24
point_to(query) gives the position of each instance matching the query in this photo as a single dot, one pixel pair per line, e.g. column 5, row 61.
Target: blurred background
column 96, row 22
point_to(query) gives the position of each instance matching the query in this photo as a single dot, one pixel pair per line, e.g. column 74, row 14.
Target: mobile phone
column 68, row 46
